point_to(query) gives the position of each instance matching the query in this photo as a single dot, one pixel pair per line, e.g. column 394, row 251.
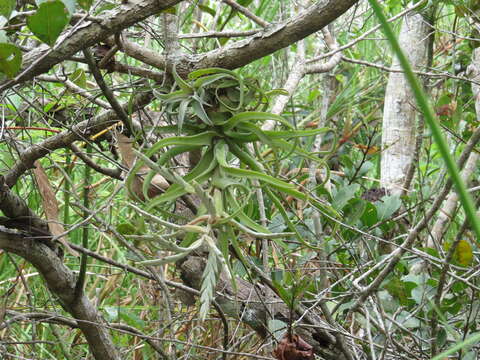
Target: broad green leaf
column 344, row 195
column 285, row 295
column 370, row 216
column 6, row 7
column 126, row 228
column 387, row 206
column 354, row 211
column 131, row 318
column 277, row 328
column 49, row 21
column 10, row 59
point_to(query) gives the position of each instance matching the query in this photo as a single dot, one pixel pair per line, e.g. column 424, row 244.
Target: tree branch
column 43, row 58
column 61, row 282
column 80, row 131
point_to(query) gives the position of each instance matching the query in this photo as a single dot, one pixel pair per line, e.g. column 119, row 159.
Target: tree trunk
column 398, row 134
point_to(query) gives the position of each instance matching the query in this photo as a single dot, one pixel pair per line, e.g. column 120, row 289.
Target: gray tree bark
column 398, row 129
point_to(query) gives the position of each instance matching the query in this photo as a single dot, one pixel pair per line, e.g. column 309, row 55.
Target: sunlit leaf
column 49, row 21
column 464, row 253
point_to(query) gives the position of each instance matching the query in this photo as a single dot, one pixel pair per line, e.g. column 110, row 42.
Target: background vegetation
column 215, row 179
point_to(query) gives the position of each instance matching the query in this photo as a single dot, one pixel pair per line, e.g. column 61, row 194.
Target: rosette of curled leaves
column 219, row 115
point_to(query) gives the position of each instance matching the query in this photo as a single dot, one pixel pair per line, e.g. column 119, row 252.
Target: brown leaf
column 158, row 184
column 50, row 206
column 447, row 109
column 297, row 349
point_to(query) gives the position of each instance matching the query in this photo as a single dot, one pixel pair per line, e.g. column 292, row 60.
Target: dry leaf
column 50, row 206
column 297, row 349
column 158, row 184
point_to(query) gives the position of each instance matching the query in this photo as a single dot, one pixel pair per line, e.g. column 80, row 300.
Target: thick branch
column 43, row 58
column 61, row 282
column 275, row 37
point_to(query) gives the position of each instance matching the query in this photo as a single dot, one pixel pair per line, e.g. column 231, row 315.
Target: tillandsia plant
column 237, row 156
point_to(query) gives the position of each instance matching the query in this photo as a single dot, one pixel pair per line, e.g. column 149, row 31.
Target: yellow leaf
column 464, row 253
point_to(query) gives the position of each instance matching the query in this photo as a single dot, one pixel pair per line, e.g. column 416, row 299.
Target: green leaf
column 131, row 318
column 200, row 112
column 201, row 139
column 202, row 72
column 253, row 116
column 221, row 150
column 387, row 206
column 425, row 107
column 174, row 151
column 49, row 21
column 206, row 9
column 284, row 294
column 171, row 10
column 250, row 174
column 200, row 174
column 180, row 82
column 78, row 78
column 10, row 59
column 291, row 148
column 344, row 195
column 173, row 96
column 370, row 216
column 126, row 229
column 6, row 7
column 354, row 211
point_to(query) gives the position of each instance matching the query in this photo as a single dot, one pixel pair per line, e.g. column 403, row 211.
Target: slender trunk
column 398, row 136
